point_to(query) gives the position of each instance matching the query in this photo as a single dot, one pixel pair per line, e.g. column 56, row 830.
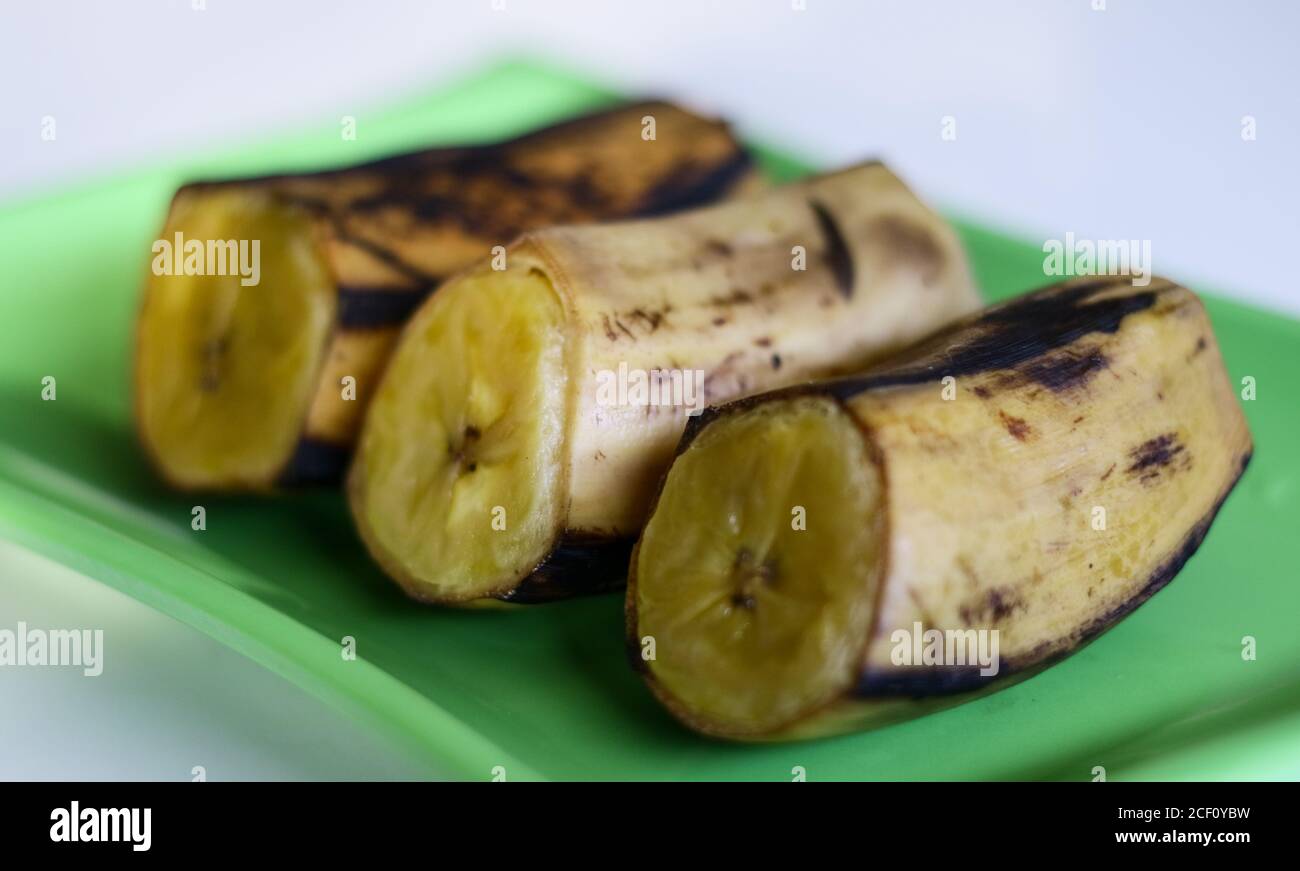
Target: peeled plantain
column 507, row 453
column 256, row 377
column 1037, row 471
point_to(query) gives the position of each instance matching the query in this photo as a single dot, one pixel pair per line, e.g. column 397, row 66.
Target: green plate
column 546, row 692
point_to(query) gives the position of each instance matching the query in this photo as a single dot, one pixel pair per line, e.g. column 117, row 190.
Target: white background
column 1121, row 123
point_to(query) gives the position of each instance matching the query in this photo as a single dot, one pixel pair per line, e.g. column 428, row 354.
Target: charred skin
column 492, row 409
column 976, row 512
column 348, row 255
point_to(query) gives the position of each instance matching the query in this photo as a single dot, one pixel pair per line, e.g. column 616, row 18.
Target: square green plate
column 547, row 692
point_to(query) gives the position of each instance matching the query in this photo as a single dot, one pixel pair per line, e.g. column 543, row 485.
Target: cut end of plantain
column 457, row 475
column 756, row 576
column 224, row 370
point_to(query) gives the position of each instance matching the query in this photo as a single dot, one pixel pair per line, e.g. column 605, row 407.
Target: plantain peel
column 507, row 456
column 246, row 380
column 1027, row 477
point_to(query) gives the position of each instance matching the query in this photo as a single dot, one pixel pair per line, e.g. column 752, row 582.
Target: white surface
column 1117, row 124
column 168, row 699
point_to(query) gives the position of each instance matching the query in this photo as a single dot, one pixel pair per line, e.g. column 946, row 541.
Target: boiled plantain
column 244, row 381
column 1037, row 471
column 507, row 454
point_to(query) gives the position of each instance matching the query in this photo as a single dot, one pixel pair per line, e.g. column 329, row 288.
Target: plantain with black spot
column 500, row 463
column 1015, row 485
column 245, row 387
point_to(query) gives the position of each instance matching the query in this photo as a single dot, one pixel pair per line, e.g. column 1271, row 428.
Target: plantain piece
column 508, row 454
column 805, row 541
column 240, row 377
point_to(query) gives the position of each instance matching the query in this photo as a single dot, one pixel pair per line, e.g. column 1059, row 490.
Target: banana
column 517, row 437
column 248, row 379
column 1011, row 487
